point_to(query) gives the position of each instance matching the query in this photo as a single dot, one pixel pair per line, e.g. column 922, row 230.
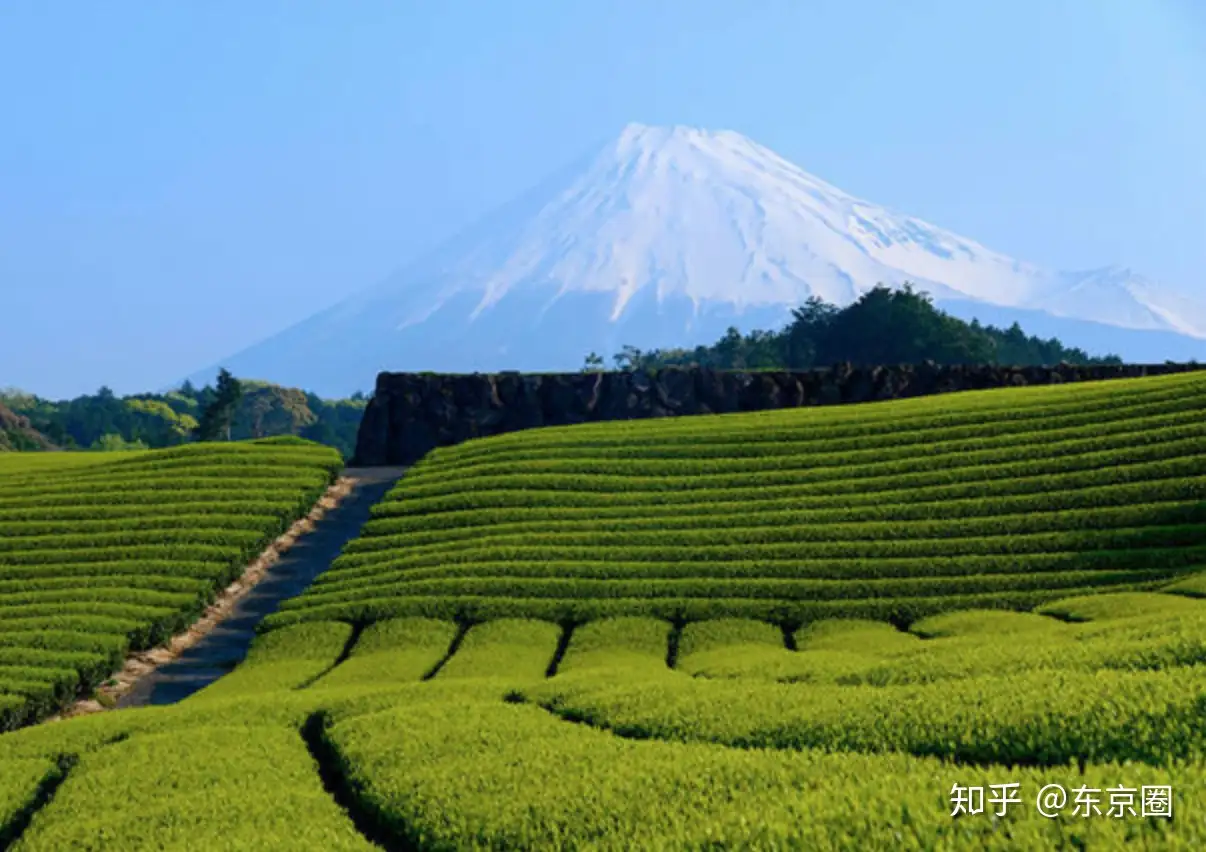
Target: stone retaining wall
column 412, row 413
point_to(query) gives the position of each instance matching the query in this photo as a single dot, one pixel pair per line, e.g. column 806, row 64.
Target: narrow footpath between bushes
column 225, row 646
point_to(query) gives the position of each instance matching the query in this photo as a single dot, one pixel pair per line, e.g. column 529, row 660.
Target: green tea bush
column 228, row 786
column 21, row 782
column 631, row 643
column 1046, row 718
column 284, row 659
column 391, row 652
column 538, row 784
column 514, row 648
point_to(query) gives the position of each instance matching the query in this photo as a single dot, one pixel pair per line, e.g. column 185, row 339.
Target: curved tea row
column 516, row 734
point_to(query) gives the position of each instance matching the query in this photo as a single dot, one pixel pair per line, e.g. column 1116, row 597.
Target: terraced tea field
column 804, row 629
column 102, row 554
column 890, row 511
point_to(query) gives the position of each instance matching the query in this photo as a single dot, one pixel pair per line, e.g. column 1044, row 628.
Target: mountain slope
column 665, row 237
column 1118, row 296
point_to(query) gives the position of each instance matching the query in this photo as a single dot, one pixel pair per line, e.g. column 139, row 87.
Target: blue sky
column 180, row 180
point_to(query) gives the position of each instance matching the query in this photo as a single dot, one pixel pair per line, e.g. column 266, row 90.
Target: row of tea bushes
column 115, row 553
column 891, row 511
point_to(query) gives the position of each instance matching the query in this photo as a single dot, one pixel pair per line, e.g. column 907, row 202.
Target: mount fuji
column 667, row 236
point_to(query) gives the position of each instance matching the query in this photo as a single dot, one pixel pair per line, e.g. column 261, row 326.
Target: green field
column 102, row 554
column 785, row 630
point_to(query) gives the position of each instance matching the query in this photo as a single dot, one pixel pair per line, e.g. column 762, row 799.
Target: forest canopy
column 884, row 326
column 105, row 421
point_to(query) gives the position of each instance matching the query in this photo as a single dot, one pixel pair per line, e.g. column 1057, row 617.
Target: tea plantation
column 105, row 553
column 891, row 511
column 806, row 629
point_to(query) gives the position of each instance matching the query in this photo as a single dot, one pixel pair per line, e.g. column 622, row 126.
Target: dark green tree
column 628, row 358
column 808, row 326
column 888, row 326
column 218, row 414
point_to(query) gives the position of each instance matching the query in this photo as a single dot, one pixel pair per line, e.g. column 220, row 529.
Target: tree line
column 884, row 326
column 230, row 409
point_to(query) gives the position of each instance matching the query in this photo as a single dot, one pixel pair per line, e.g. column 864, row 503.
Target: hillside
column 891, row 511
column 724, row 631
column 665, row 237
column 16, row 433
column 108, row 553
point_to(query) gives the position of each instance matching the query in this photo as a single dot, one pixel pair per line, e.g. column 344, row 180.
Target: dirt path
column 226, row 644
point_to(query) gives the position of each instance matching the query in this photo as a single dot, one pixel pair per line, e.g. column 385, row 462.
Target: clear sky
column 181, row 179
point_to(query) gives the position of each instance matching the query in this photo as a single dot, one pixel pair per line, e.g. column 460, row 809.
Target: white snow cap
column 716, row 217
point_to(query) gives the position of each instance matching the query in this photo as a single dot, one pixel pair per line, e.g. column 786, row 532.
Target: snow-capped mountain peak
column 715, row 216
column 664, row 236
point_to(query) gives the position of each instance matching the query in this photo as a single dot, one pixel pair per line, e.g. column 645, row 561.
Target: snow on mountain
column 665, row 237
column 1117, row 296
